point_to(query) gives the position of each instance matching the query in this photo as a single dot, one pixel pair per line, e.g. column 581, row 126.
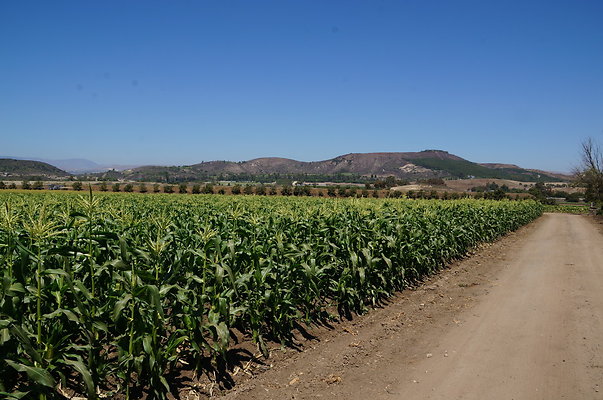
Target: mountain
column 355, row 167
column 29, row 169
column 77, row 165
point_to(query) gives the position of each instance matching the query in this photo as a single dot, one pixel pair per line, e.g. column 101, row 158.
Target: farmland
column 106, row 293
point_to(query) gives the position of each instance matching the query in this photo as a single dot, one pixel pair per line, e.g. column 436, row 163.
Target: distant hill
column 11, row 168
column 75, row 165
column 353, row 167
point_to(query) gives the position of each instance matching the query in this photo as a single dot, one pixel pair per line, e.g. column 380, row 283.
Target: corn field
column 103, row 295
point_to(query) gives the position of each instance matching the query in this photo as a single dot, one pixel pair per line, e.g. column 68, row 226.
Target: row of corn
column 110, row 295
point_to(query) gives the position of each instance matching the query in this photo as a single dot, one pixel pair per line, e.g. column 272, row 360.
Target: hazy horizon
column 181, row 83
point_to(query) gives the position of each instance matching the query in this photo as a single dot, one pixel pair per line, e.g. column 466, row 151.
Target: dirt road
column 523, row 319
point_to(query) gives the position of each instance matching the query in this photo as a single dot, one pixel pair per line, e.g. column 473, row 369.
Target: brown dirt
column 521, row 319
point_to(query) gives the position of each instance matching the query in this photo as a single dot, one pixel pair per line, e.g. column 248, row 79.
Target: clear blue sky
column 179, row 82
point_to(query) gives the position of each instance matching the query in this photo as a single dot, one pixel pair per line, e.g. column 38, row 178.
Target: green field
column 108, row 293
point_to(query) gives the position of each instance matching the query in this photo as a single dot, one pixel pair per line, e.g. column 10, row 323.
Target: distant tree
column 38, row 185
column 236, row 189
column 331, row 192
column 342, row 192
column 498, row 194
column 221, row 191
column 168, row 189
column 12, row 186
column 376, row 193
column 260, row 190
column 77, row 185
column 156, row 188
column 272, row 191
column 590, row 173
column 25, row 185
column 2, row 185
column 129, row 188
column 196, row 189
column 103, row 186
column 115, row 187
column 286, row 190
column 208, row 188
column 142, row 188
column 182, row 188
column 248, row 189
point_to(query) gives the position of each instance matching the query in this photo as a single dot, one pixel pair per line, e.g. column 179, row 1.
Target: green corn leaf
column 36, row 375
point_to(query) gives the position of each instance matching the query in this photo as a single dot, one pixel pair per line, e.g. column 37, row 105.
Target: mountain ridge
column 403, row 165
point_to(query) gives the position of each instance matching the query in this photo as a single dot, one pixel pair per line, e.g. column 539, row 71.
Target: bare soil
column 520, row 319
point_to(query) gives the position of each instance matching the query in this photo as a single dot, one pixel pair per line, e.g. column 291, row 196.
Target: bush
column 286, row 190
column 115, row 187
column 236, row 189
column 208, row 189
column 25, row 185
column 77, row 186
column 2, row 185
column 156, row 188
column 142, row 188
column 38, row 185
column 103, row 186
column 248, row 189
column 196, row 189
column 129, row 188
column 260, row 190
column 168, row 189
column 182, row 188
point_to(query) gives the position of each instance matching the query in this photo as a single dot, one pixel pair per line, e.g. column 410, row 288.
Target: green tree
column 25, row 185
column 2, row 185
column 115, row 187
column 196, row 189
column 142, row 188
column 156, row 188
column 286, row 190
column 260, row 190
column 129, row 188
column 248, row 189
column 103, row 186
column 168, row 189
column 208, row 188
column 77, row 185
column 38, row 185
column 182, row 188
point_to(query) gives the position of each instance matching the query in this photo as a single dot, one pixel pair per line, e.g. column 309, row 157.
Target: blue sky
column 179, row 82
